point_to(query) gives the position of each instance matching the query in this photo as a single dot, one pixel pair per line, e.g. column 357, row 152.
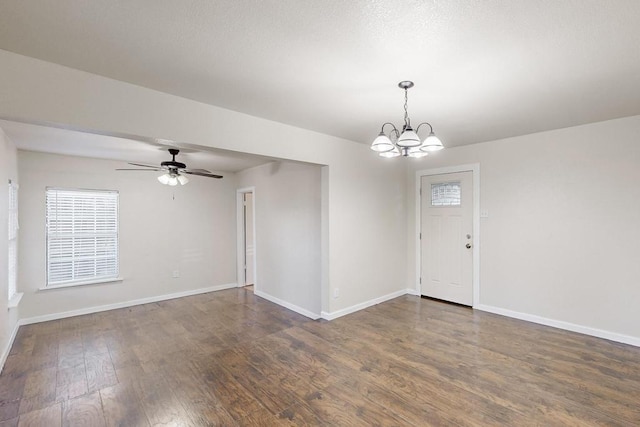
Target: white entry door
column 249, row 251
column 447, row 237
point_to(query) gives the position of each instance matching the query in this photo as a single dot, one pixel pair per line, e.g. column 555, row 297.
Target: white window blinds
column 13, row 239
column 82, row 235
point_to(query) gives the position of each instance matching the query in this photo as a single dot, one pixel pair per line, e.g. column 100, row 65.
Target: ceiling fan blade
column 146, row 166
column 151, row 170
column 198, row 171
column 209, row 175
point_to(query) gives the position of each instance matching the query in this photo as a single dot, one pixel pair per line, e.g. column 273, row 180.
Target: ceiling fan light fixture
column 164, row 178
column 182, row 179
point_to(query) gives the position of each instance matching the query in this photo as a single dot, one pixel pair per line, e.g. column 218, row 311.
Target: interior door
column 249, row 252
column 447, row 237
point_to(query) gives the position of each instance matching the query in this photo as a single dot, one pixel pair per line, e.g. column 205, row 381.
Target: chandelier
column 406, row 143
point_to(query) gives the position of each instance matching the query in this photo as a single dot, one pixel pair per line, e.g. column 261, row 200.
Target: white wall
column 288, row 230
column 8, row 171
column 564, row 223
column 189, row 228
column 364, row 238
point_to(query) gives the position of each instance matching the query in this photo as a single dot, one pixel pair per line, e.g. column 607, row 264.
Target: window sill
column 15, row 300
column 74, row 284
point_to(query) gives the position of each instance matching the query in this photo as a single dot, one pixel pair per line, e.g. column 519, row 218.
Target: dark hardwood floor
column 231, row 358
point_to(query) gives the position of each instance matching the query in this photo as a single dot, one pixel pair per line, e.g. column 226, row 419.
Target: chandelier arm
column 424, row 123
column 394, row 130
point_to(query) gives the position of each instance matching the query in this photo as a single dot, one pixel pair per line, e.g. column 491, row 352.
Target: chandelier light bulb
column 394, row 152
column 409, row 138
column 382, row 143
column 432, row 143
column 416, row 153
column 182, row 179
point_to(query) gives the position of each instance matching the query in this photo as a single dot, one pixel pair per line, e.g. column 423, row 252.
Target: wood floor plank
column 9, row 409
column 300, row 414
column 122, row 407
column 50, row 416
column 237, row 400
column 83, row 411
column 100, row 371
column 13, row 422
column 160, row 404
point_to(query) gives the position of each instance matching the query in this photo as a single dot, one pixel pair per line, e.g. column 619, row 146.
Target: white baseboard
column 96, row 309
column 413, row 292
column 362, row 305
column 288, row 305
column 612, row 336
column 7, row 349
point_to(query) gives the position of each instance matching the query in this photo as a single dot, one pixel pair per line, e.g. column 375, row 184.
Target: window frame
column 115, row 276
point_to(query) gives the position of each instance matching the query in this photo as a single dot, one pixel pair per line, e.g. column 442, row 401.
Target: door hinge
column 420, row 236
column 420, row 280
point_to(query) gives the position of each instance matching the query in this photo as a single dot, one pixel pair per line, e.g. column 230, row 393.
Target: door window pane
column 445, row 194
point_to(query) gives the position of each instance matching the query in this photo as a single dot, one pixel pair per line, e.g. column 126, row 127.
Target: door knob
column 468, row 245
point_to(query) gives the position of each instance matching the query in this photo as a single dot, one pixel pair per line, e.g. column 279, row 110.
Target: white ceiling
column 48, row 139
column 484, row 69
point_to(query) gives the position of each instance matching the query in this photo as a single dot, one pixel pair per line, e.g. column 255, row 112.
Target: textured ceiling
column 483, row 69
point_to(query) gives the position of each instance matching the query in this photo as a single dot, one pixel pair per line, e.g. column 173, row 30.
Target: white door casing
column 249, row 277
column 242, row 229
column 448, row 235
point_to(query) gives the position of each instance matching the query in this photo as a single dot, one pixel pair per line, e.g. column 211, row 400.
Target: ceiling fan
column 174, row 171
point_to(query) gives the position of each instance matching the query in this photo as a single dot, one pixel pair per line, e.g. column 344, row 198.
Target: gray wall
column 288, row 226
column 189, row 228
column 561, row 238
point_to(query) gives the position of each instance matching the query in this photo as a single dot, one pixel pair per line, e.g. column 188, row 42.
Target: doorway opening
column 246, row 238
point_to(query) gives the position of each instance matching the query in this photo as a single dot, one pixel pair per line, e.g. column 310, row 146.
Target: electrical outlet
column 336, row 292
column 176, row 274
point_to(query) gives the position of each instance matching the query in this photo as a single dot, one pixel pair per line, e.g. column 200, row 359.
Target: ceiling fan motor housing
column 172, row 164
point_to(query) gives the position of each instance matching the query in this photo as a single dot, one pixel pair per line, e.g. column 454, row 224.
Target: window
column 82, row 236
column 13, row 240
column 445, row 194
